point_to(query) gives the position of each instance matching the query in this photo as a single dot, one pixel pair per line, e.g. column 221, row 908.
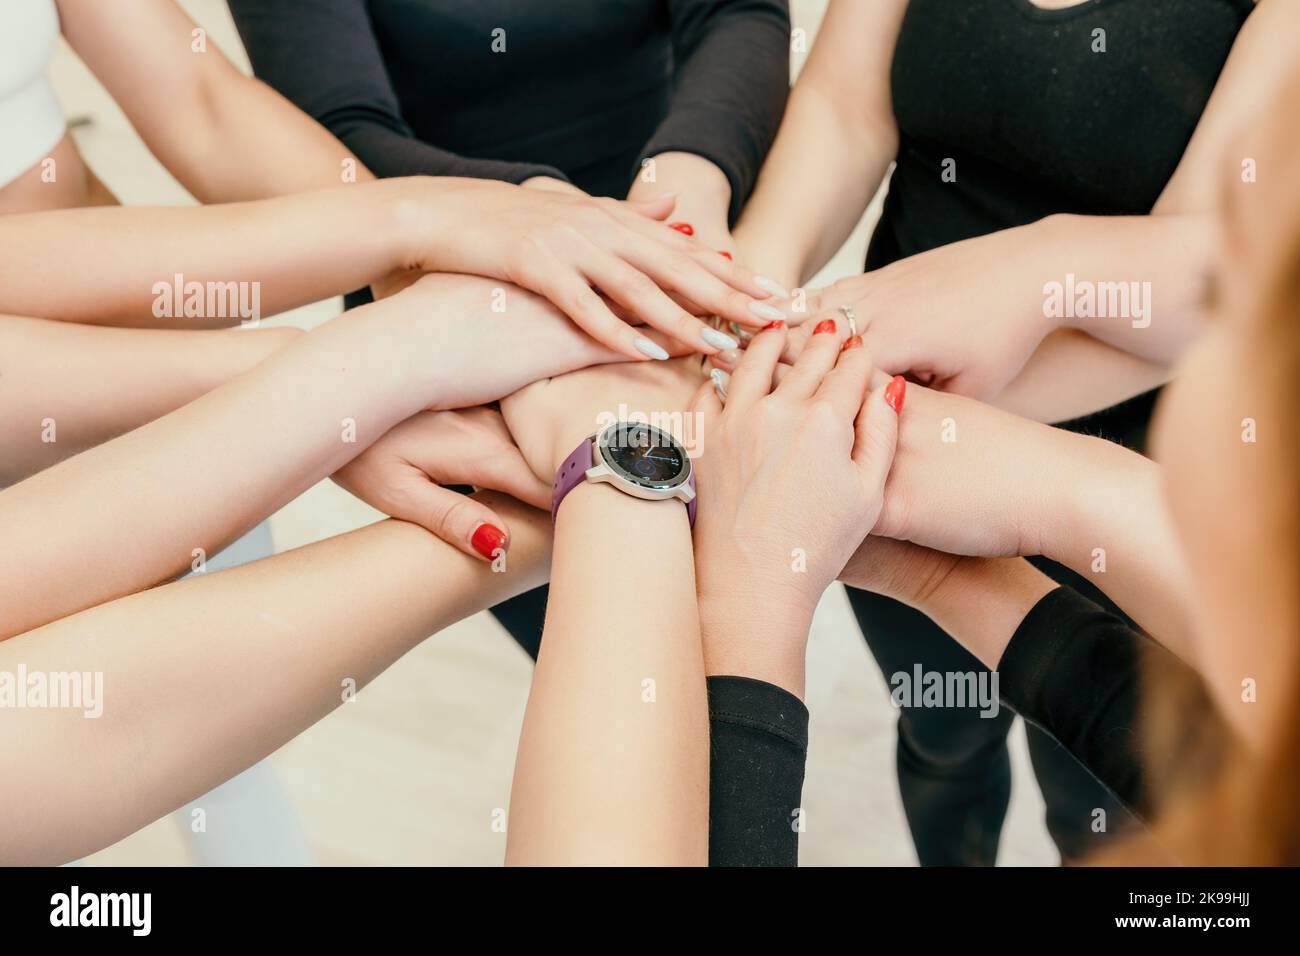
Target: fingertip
column 895, row 393
column 489, row 540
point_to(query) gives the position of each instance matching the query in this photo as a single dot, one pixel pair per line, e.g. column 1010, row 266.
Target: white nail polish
column 772, row 286
column 646, row 347
column 765, row 311
column 719, row 340
column 720, row 380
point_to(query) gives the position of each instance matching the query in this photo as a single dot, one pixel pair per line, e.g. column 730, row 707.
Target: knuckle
column 638, row 285
column 822, row 414
column 458, row 513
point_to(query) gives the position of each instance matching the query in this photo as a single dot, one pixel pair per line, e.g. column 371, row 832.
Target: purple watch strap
column 573, row 471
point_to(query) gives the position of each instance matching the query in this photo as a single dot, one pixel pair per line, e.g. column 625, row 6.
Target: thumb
column 660, row 208
column 458, row 519
column 510, row 474
column 877, row 434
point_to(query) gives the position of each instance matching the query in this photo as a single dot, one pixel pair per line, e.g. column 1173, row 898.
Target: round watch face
column 649, row 456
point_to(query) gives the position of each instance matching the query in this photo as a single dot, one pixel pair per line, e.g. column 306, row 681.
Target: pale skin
column 203, row 678
column 95, row 383
column 1223, row 495
column 972, row 479
column 808, row 200
column 603, row 774
column 307, row 246
column 199, row 477
column 796, row 469
column 229, row 138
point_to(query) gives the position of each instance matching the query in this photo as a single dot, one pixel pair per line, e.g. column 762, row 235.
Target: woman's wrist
column 1100, row 476
column 767, row 254
column 982, row 601
column 764, row 637
column 699, row 184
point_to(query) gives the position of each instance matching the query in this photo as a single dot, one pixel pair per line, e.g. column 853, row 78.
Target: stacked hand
column 963, row 318
column 402, row 473
column 793, row 476
column 598, row 260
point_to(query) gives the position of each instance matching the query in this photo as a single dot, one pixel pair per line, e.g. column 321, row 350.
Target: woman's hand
column 401, row 474
column 570, row 247
column 456, row 341
column 549, row 418
column 963, row 318
column 790, row 482
column 703, row 199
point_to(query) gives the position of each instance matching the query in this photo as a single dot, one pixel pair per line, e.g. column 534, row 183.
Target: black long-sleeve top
column 508, row 89
column 1077, row 671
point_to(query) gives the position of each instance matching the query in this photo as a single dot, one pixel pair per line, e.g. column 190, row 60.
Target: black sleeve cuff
column 759, row 745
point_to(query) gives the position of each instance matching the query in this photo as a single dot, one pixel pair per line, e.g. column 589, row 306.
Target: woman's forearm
column 808, row 199
column 1135, row 282
column 140, row 508
column 834, row 147
column 1071, row 375
column 225, row 136
column 199, row 679
column 1115, row 530
column 144, row 506
column 66, row 387
column 978, row 601
column 614, row 755
column 202, row 267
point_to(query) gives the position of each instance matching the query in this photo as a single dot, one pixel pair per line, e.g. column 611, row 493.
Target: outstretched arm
column 834, row 147
column 613, row 758
column 970, row 479
column 292, row 635
column 225, row 136
column 66, row 387
column 136, row 508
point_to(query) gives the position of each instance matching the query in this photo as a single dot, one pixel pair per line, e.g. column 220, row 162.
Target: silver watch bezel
column 605, row 469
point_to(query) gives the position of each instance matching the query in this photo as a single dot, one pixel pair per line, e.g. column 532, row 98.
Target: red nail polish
column 487, row 540
column 825, row 325
column 895, row 392
column 722, row 252
column 853, row 343
column 685, row 228
column 775, row 324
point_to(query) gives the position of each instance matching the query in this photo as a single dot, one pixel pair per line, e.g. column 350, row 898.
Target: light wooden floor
column 412, row 772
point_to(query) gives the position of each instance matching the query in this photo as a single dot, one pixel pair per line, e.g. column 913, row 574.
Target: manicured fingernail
column 895, row 392
column 724, row 253
column 488, row 540
column 720, row 380
column 727, row 357
column 824, row 326
column 772, row 286
column 647, row 347
column 765, row 311
column 853, row 342
column 775, row 324
column 719, row 340
column 685, row 228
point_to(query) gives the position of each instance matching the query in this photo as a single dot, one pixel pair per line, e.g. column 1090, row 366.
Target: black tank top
column 1033, row 120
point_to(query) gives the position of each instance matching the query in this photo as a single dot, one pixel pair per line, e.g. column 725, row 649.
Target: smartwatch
column 639, row 460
